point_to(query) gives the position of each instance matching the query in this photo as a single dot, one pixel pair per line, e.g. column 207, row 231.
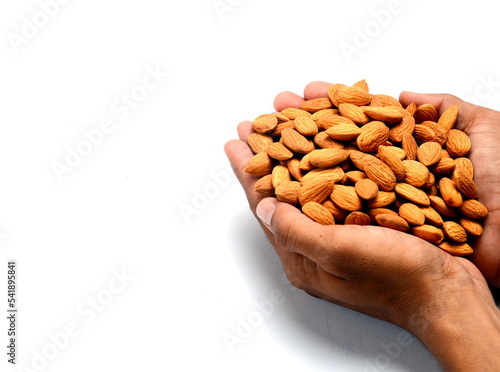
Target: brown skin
column 442, row 300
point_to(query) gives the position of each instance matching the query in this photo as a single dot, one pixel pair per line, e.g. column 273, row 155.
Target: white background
column 191, row 280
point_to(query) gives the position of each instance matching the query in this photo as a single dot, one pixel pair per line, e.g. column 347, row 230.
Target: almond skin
column 264, row 185
column 288, row 192
column 265, row 123
column 316, row 104
column 259, row 165
column 278, row 151
column 429, row 233
column 366, row 189
column 449, row 117
column 456, row 249
column 372, row 137
column 306, row 126
column 326, row 158
column 279, row 175
column 386, row 114
column 455, row 232
column 416, row 174
column 458, row 143
column 317, row 190
column 473, row 209
column 409, row 146
column 465, row 184
column 407, row 125
column 392, row 221
column 472, row 227
column 292, row 113
column 412, row 214
column 357, row 218
column 450, row 193
column 296, row 141
column 429, row 153
column 354, row 113
column 441, row 207
column 425, row 112
column 318, row 213
column 383, row 199
column 413, row 194
column 259, row 142
column 380, row 173
column 432, row 216
column 392, row 161
column 353, row 95
column 346, row 198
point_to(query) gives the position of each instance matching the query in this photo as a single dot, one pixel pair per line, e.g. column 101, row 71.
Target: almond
column 362, row 84
column 259, row 142
column 412, row 214
column 336, row 173
column 383, row 199
column 450, row 193
column 379, row 172
column 465, row 165
column 458, row 143
column 344, row 132
column 265, row 123
column 392, row 161
column 354, row 113
column 416, row 174
column 407, row 125
column 473, row 209
column 449, row 117
column 374, row 212
column 423, row 133
column 409, row 146
column 346, row 198
column 354, row 95
column 280, row 174
column 293, row 166
column 306, row 126
column 387, row 113
column 317, row 190
column 331, row 93
column 296, row 141
column 456, row 249
column 316, row 104
column 429, row 233
column 339, row 214
column 441, row 207
column 371, row 138
column 432, row 216
column 292, row 113
column 388, row 100
column 264, row 185
column 411, row 193
column 455, row 232
column 318, row 213
column 392, row 221
column 472, row 227
column 323, row 140
column 425, row 112
column 439, row 132
column 465, row 184
column 366, row 189
column 325, row 158
column 279, row 128
column 429, row 153
column 288, row 192
column 328, row 121
column 357, row 218
column 444, row 165
column 319, row 114
column 355, row 176
column 278, row 151
column 259, row 165
column 412, row 108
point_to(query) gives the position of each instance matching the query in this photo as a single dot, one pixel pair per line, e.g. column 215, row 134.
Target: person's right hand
column 482, row 125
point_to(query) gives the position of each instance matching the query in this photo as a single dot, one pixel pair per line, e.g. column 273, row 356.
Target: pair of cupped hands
column 385, row 273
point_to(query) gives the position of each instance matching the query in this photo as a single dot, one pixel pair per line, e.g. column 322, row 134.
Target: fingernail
column 265, row 210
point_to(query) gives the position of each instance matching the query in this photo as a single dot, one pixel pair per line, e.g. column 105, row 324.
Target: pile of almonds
column 360, row 158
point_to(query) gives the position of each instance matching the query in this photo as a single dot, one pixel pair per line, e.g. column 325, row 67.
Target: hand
column 408, row 281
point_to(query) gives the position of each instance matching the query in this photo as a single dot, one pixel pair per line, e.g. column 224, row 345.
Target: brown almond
column 386, row 114
column 265, row 123
column 296, row 141
column 354, row 113
column 259, row 165
column 346, row 198
column 416, row 174
column 366, row 189
column 456, row 249
column 454, row 232
column 278, row 151
column 465, row 184
column 473, row 209
column 328, row 121
column 471, row 226
column 316, row 104
column 392, row 221
column 432, row 216
column 425, row 112
column 317, row 190
column 264, row 185
column 288, row 192
column 450, row 193
column 423, row 133
column 372, row 137
column 409, row 146
column 383, row 199
column 344, row 132
column 411, row 193
column 280, row 174
column 293, row 166
column 465, row 165
column 323, row 140
column 306, row 126
column 444, row 165
column 441, row 207
column 429, row 233
column 362, row 84
column 388, row 100
column 336, row 173
column 355, row 176
column 354, row 95
column 326, row 158
column 357, row 218
column 318, row 114
column 339, row 214
column 331, row 93
column 392, row 161
column 279, row 128
column 292, row 113
column 449, row 117
column 412, row 214
column 458, row 143
column 376, row 211
column 429, row 153
column 259, row 142
column 407, row 125
column 318, row 213
column 379, row 172
column 440, row 133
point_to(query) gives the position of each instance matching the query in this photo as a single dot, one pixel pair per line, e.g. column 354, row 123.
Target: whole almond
column 355, row 176
column 450, row 193
column 374, row 212
column 456, row 249
column 357, row 218
column 372, row 137
column 455, row 232
column 318, row 213
column 392, row 161
column 346, row 198
column 278, row 151
column 407, row 125
column 317, row 190
column 316, row 104
column 354, row 113
column 280, row 174
column 335, row 173
column 328, row 121
column 259, row 165
column 362, row 84
column 449, row 117
column 412, row 214
column 392, row 221
column 416, row 174
column 366, row 189
column 423, row 133
column 465, row 184
column 331, row 93
column 458, row 143
column 432, row 216
column 354, row 95
column 288, row 192
column 411, row 193
column 306, row 126
column 259, row 142
column 265, row 123
column 296, row 141
column 441, row 207
column 472, row 227
column 429, row 233
column 326, row 158
column 379, row 172
column 412, row 108
column 465, row 165
column 444, row 165
column 409, row 146
column 425, row 112
column 383, row 199
column 321, row 113
column 429, row 153
column 292, row 113
column 339, row 214
column 388, row 100
column 344, row 132
column 440, row 133
column 279, row 128
column 264, row 185
column 473, row 209
column 386, row 114
column 293, row 166
column 323, row 140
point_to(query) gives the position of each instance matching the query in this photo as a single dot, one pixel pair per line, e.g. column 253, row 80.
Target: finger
column 316, row 89
column 244, row 130
column 441, row 102
column 287, row 99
